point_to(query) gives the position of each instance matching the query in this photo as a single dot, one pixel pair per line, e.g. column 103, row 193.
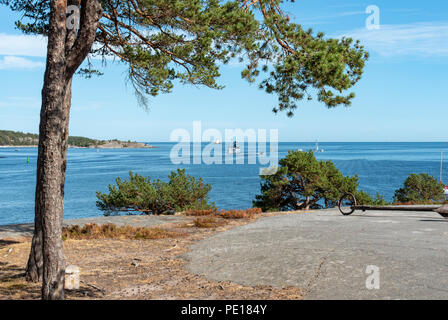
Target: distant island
column 20, row 139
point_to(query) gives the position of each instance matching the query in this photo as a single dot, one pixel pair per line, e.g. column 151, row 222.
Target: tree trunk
column 51, row 157
column 65, row 52
column 307, row 203
column 51, row 200
column 34, row 270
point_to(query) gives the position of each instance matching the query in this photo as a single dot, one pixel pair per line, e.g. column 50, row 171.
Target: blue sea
column 381, row 167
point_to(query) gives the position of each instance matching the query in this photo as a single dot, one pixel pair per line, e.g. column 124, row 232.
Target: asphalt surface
column 370, row 255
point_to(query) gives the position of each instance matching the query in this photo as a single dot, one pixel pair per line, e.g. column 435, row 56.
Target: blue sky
column 401, row 97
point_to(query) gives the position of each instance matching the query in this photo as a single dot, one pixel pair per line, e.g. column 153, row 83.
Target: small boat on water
column 233, row 150
column 317, row 148
column 217, row 141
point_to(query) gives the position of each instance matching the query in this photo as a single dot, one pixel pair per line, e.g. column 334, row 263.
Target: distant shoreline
column 15, row 139
column 107, row 145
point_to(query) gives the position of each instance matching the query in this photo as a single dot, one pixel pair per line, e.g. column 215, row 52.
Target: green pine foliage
column 303, row 182
column 363, row 198
column 141, row 194
column 164, row 42
column 420, row 189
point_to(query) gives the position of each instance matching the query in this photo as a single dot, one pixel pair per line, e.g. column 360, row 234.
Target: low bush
column 111, row 231
column 139, row 194
column 420, row 189
column 303, row 182
column 363, row 198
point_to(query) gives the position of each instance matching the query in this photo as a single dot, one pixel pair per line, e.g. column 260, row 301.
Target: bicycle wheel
column 347, row 204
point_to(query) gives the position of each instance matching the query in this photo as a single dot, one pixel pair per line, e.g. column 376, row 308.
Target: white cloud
column 29, row 46
column 13, row 46
column 11, row 62
column 23, row 45
column 417, row 39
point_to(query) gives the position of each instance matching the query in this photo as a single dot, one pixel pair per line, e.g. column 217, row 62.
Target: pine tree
column 162, row 41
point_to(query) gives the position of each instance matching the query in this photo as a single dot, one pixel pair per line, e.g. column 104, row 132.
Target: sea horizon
column 381, row 167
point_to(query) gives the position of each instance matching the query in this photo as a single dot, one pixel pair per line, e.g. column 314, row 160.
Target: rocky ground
column 367, row 255
column 131, row 269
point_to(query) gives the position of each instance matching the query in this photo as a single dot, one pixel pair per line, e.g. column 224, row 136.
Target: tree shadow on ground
column 14, row 286
column 83, row 292
column 22, row 229
column 5, row 243
column 359, row 215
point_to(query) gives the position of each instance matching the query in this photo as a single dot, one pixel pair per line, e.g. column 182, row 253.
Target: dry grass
column 429, row 202
column 131, row 269
column 239, row 214
column 111, row 231
column 209, row 222
column 254, row 211
column 198, row 213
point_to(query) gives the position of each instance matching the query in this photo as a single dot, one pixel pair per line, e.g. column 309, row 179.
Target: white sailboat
column 317, row 148
column 234, row 149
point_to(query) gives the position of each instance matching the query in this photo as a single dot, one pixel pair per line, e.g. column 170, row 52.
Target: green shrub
column 363, row 198
column 420, row 189
column 303, row 182
column 181, row 192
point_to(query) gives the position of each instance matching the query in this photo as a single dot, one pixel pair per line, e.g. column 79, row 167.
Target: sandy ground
column 134, row 269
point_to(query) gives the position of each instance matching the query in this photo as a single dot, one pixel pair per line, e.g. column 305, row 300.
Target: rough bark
column 50, row 163
column 65, row 52
column 307, row 203
column 34, row 268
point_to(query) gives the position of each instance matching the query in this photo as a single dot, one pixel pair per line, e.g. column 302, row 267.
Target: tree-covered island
column 16, row 139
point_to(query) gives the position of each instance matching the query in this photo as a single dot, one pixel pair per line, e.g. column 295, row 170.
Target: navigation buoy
column 27, row 159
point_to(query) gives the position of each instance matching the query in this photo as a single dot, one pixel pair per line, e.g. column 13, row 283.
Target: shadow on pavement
column 18, row 228
column 396, row 216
